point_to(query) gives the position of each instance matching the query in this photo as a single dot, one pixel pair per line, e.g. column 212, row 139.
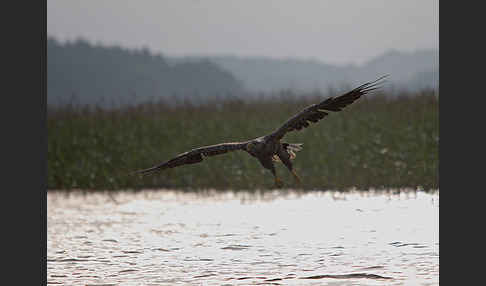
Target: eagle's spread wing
column 194, row 156
column 316, row 112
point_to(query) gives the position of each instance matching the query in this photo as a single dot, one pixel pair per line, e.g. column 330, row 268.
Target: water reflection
column 319, row 238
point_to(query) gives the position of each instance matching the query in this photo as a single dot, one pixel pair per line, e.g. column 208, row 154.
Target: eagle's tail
column 291, row 148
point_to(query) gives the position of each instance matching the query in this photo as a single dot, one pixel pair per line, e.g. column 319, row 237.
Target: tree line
column 79, row 72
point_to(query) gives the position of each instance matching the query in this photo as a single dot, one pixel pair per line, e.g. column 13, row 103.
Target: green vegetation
column 378, row 142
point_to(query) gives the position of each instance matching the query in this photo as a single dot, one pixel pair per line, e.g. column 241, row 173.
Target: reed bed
column 380, row 141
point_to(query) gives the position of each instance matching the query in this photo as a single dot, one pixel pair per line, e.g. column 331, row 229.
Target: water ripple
column 167, row 238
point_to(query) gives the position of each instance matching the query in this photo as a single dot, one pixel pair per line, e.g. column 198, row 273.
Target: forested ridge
column 83, row 73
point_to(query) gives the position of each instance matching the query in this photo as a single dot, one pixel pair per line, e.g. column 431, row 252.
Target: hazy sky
column 338, row 31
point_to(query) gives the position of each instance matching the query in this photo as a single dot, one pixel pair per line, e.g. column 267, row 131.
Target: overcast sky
column 338, row 31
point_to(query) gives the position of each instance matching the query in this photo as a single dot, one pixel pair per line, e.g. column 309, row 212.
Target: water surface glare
column 168, row 238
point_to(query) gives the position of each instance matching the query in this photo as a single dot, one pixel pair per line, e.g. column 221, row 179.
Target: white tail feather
column 291, row 149
column 295, row 147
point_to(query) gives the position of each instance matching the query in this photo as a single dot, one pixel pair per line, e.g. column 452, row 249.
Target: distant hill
column 84, row 73
column 109, row 76
column 408, row 70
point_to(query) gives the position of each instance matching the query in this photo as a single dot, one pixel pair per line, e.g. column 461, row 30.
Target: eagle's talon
column 278, row 183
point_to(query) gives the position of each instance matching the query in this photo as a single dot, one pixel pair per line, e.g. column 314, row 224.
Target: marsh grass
column 378, row 142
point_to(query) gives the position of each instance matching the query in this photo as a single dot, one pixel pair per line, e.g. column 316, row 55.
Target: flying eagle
column 269, row 149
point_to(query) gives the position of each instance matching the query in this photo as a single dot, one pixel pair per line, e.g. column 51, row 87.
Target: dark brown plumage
column 195, row 156
column 268, row 149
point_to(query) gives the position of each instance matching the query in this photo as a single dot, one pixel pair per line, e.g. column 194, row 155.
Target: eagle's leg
column 278, row 182
column 267, row 163
column 297, row 178
column 285, row 158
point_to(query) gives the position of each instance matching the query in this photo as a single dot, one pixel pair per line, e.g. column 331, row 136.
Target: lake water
column 276, row 238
